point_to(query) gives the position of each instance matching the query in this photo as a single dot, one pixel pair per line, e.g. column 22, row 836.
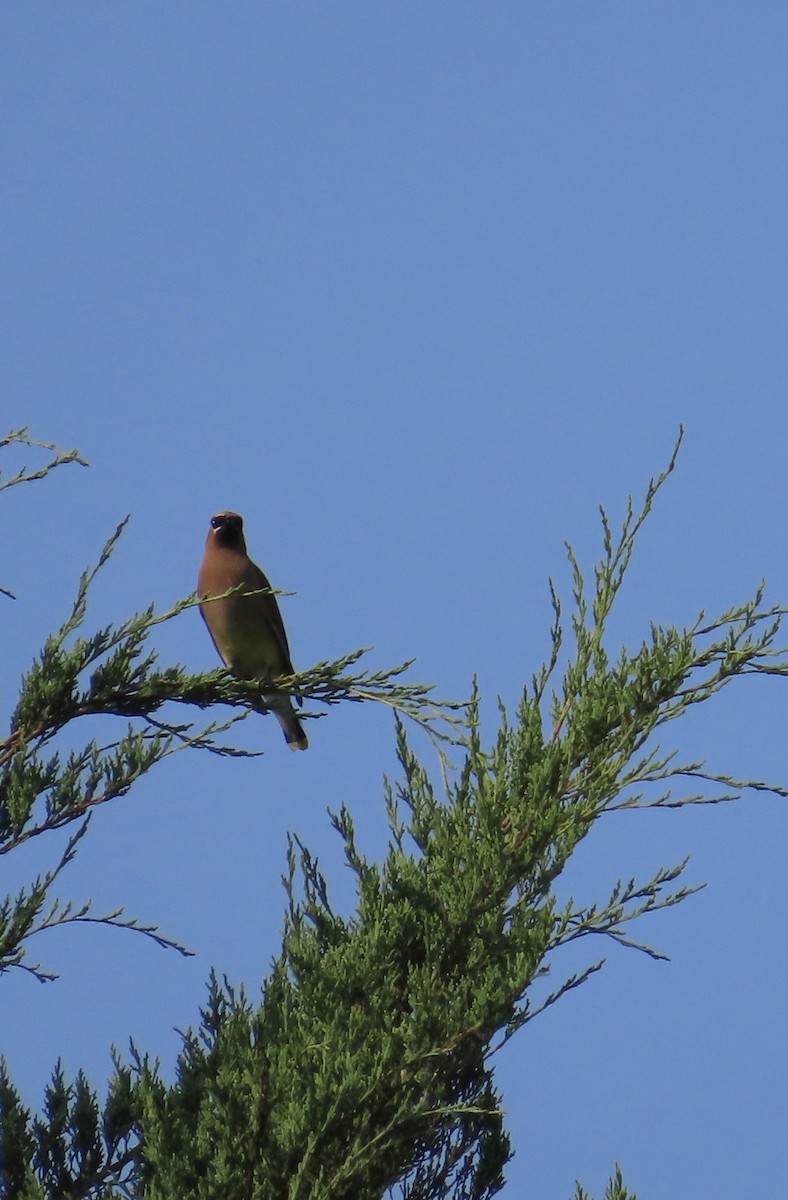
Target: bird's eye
column 215, row 522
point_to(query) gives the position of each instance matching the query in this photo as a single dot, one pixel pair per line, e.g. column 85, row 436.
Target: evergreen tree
column 368, row 1068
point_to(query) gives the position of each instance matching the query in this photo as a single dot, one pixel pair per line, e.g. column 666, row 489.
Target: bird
column 247, row 630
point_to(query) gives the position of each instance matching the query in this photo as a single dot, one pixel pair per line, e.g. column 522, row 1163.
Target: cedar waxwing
column 247, row 630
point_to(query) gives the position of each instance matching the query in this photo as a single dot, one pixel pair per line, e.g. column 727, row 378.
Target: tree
column 368, row 1068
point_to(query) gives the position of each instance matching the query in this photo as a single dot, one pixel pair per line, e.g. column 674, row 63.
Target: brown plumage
column 248, row 631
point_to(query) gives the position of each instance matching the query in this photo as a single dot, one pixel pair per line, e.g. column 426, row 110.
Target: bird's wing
column 255, row 578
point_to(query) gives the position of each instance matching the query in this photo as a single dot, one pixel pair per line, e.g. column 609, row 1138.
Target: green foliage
column 17, row 1145
column 367, row 1070
column 73, row 1150
column 113, row 673
column 615, row 1189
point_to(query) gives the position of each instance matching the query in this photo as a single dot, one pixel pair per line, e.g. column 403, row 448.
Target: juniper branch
column 22, row 917
column 23, row 475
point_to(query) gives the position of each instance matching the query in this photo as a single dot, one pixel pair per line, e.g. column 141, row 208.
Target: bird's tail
column 282, row 708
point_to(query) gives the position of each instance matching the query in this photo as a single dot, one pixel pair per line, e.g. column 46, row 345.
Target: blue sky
column 413, row 287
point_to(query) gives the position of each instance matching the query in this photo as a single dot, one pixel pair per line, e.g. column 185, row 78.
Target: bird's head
column 227, row 529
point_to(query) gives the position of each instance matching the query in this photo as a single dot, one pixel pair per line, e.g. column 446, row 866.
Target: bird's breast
column 243, row 636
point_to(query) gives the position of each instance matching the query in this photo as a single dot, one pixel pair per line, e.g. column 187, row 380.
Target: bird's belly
column 249, row 650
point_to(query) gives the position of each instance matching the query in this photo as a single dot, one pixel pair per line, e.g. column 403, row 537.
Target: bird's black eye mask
column 228, row 528
column 227, row 521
